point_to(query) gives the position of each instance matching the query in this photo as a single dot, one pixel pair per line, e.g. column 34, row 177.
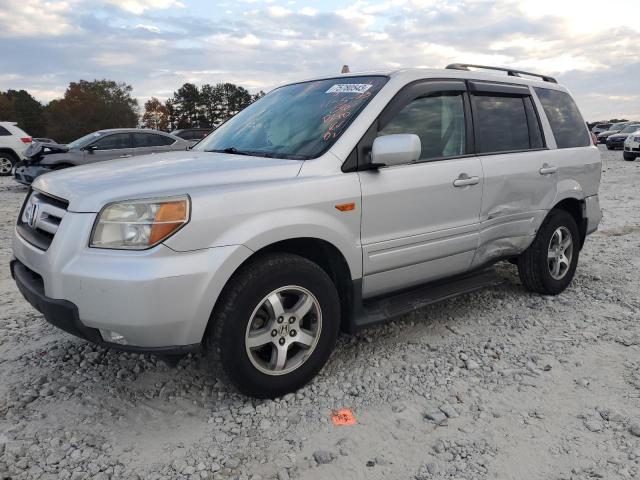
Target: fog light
column 113, row 337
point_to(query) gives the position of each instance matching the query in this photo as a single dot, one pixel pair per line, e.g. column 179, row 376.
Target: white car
column 13, row 143
column 632, row 147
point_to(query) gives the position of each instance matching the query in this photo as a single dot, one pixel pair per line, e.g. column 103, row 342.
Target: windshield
column 617, row 126
column 83, row 141
column 298, row 121
column 630, row 129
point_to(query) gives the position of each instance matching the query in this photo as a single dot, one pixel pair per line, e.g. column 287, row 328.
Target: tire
column 245, row 314
column 7, row 162
column 629, row 157
column 536, row 267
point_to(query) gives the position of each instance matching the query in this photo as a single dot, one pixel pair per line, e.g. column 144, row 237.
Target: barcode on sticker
column 349, row 88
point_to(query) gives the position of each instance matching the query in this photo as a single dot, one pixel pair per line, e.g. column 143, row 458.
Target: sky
column 157, row 45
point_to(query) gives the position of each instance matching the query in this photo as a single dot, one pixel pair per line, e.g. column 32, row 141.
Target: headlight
column 139, row 224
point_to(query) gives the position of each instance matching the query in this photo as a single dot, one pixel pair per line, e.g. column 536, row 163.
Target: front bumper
column 158, row 300
column 64, row 314
column 615, row 142
column 25, row 172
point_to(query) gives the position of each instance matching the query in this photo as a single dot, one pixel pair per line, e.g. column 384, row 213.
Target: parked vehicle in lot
column 192, row 135
column 615, row 128
column 95, row 147
column 44, row 140
column 327, row 205
column 616, row 141
column 632, row 146
column 601, row 127
column 13, row 143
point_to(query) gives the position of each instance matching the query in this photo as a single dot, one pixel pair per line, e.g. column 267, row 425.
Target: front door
column 420, row 220
column 110, row 146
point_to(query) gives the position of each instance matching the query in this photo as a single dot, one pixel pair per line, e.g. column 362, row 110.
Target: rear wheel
column 275, row 325
column 548, row 265
column 629, row 157
column 7, row 162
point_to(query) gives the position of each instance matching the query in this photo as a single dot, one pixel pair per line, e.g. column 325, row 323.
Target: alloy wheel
column 560, row 253
column 284, row 330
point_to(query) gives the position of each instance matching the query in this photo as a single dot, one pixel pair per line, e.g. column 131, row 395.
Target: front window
column 298, row 121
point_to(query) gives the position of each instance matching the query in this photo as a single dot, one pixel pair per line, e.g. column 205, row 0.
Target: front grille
column 40, row 218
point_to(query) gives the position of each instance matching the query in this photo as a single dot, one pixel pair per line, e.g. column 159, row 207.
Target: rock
column 471, row 364
column 323, row 457
column 634, row 429
column 449, row 411
column 436, row 416
column 593, row 425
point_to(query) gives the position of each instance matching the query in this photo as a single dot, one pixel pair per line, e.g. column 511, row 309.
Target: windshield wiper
column 232, row 150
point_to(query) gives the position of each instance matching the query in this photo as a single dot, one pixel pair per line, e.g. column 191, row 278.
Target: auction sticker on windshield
column 349, row 88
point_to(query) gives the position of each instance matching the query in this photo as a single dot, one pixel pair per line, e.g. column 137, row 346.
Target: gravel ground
column 496, row 384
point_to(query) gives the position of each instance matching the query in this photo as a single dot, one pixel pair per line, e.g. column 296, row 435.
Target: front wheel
column 548, row 265
column 6, row 164
column 275, row 325
column 629, row 157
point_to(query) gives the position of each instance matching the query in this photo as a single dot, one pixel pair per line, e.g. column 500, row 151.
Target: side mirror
column 396, row 149
column 91, row 148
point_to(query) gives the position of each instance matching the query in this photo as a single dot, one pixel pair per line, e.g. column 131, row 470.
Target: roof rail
column 510, row 71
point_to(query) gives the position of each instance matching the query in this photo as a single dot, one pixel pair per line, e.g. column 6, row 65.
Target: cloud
column 156, row 45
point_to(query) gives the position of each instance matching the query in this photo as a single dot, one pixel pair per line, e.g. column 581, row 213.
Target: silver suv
column 326, row 206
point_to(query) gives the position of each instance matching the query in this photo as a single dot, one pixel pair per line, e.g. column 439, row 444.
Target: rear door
column 519, row 180
column 420, row 220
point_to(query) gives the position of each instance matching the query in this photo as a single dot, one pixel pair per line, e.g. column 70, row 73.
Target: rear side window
column 439, row 122
column 567, row 124
column 150, row 140
column 4, row 132
column 501, row 124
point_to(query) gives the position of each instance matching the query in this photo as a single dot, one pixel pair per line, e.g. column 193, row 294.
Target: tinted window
column 567, row 124
column 439, row 122
column 150, row 140
column 500, row 123
column 113, row 142
column 4, row 132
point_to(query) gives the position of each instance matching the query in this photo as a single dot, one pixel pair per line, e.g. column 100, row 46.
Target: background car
column 13, row 143
column 616, row 141
column 615, row 128
column 632, row 146
column 44, row 140
column 94, row 147
column 601, row 127
column 192, row 135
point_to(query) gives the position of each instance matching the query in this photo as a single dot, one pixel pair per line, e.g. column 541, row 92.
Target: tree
column 156, row 115
column 222, row 101
column 19, row 106
column 90, row 106
column 186, row 102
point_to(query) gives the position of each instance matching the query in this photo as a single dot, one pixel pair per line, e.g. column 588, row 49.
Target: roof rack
column 510, row 71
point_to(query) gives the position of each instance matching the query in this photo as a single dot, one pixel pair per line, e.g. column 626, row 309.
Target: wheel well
column 575, row 208
column 10, row 152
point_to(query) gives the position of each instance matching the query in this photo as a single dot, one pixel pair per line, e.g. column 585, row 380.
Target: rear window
column 567, row 124
column 501, row 123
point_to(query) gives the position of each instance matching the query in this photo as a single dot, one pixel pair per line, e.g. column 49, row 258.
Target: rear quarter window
column 4, row 132
column 567, row 124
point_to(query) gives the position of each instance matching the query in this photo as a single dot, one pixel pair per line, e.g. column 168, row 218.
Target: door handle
column 548, row 169
column 465, row 180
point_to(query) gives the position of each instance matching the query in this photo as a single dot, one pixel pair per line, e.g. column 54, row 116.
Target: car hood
column 88, row 188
